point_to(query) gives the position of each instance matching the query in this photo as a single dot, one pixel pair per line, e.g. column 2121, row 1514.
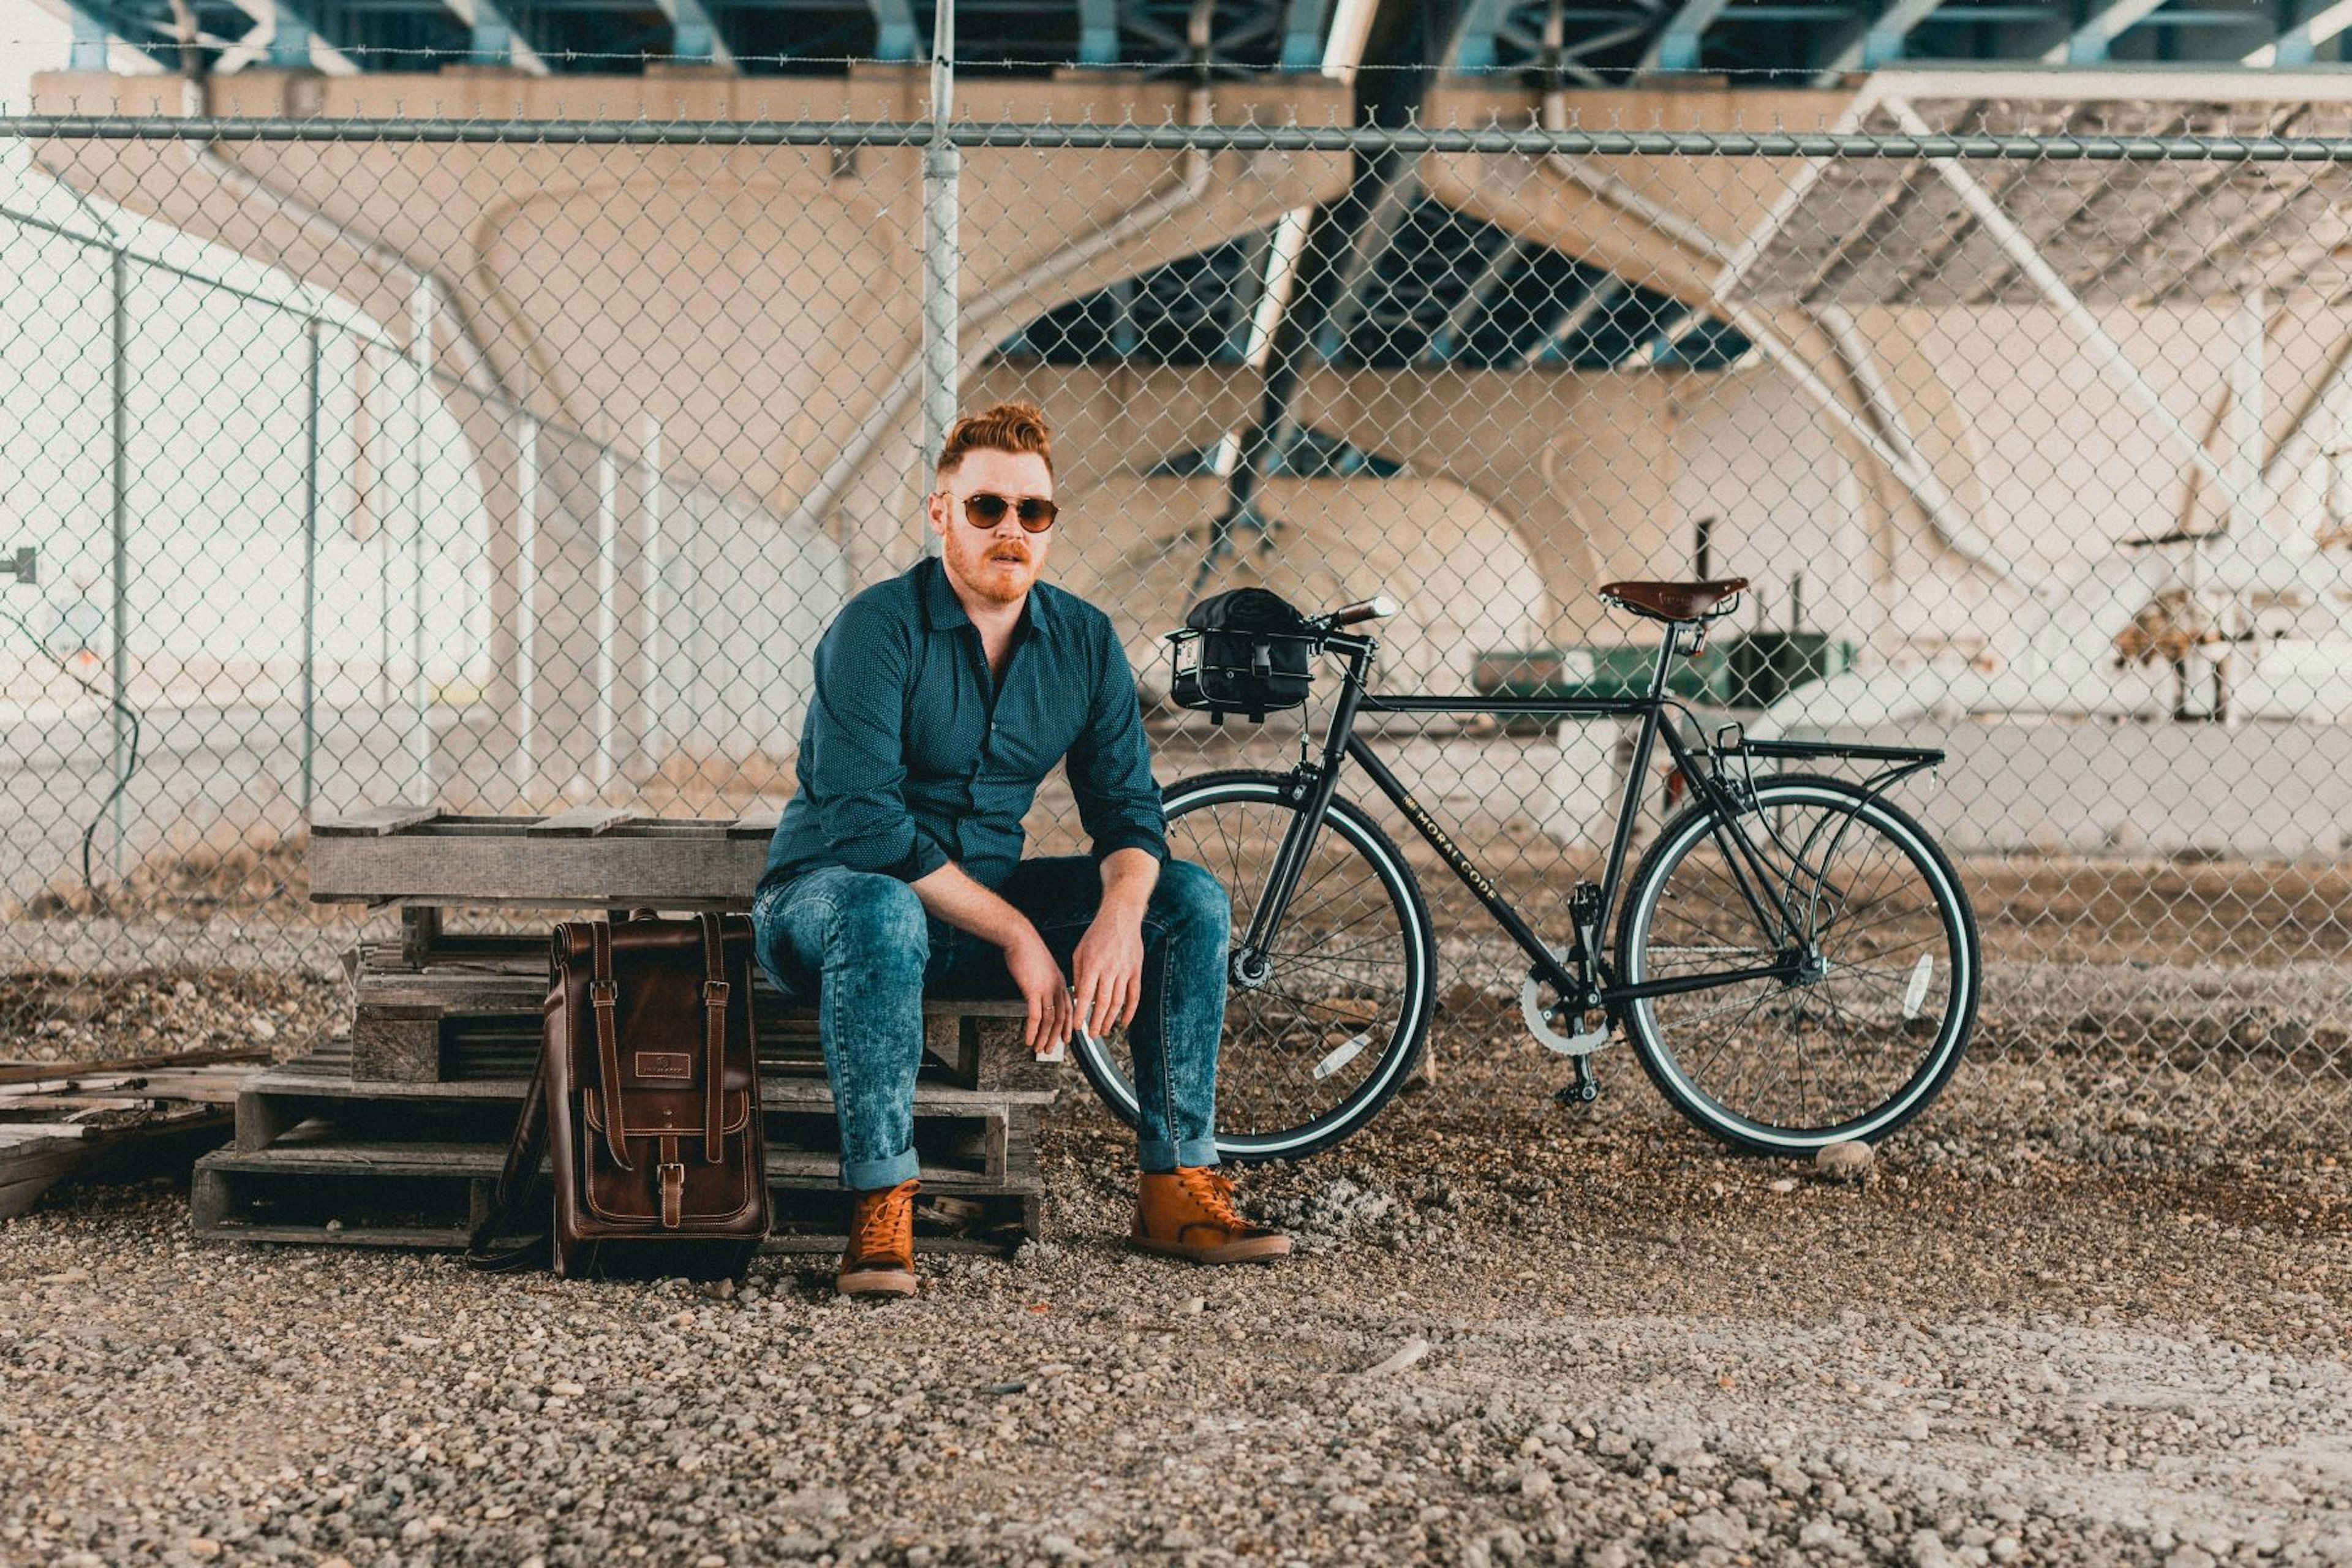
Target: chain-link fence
column 509, row 466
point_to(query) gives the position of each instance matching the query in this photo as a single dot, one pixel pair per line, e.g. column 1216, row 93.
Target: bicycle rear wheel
column 1317, row 1044
column 1851, row 1052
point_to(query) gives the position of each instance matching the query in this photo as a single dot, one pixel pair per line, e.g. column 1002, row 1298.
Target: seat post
column 1669, row 646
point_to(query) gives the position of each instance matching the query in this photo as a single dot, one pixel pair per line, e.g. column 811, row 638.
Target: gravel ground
column 2043, row 1330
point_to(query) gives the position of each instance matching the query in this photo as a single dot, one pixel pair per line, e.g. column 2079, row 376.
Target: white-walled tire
column 1313, row 1050
column 1848, row 1056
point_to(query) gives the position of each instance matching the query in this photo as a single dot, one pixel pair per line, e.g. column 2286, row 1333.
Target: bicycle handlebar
column 1373, row 609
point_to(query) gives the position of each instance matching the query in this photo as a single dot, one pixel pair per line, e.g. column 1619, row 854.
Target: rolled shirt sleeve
column 1109, row 768
column 857, row 722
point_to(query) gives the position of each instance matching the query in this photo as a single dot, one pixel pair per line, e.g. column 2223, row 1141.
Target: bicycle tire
column 1875, row 992
column 1289, row 1086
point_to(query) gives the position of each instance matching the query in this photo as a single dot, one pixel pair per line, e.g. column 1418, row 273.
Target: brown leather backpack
column 648, row 1096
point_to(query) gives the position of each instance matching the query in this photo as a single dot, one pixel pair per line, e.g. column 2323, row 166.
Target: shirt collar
column 944, row 611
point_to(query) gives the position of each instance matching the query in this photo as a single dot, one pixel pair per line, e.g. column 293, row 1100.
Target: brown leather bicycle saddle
column 1672, row 601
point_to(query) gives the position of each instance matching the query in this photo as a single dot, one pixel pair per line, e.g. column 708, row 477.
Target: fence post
column 120, row 435
column 310, row 574
column 942, row 163
column 420, row 691
column 526, row 667
column 650, row 739
column 607, row 588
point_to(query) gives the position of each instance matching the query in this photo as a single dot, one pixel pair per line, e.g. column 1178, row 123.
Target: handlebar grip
column 1372, row 609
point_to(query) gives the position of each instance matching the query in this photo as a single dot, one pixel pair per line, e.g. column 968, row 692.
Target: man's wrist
column 1124, row 904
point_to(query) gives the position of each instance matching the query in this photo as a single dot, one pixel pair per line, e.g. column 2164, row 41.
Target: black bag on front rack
column 1252, row 654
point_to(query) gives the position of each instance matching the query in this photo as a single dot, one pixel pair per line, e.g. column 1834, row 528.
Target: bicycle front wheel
column 1316, row 1043
column 1872, row 1027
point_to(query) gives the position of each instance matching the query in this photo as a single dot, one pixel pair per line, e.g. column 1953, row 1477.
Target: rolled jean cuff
column 869, row 1175
column 1156, row 1154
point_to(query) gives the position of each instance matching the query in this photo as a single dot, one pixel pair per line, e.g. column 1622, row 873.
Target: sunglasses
column 982, row 509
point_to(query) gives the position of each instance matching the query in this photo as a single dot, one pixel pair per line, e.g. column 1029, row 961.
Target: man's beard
column 980, row 573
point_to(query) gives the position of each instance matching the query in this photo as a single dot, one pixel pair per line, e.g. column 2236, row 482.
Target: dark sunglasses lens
column 985, row 511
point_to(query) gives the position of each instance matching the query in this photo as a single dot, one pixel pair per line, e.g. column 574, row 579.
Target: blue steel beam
column 1881, row 42
column 2088, row 44
column 289, row 40
column 1302, row 35
column 87, row 51
column 1676, row 47
column 2299, row 45
column 1098, row 32
column 492, row 39
column 695, row 37
column 1474, row 41
column 895, row 38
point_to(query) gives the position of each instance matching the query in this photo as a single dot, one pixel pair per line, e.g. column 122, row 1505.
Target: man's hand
column 1108, row 970
column 1030, row 963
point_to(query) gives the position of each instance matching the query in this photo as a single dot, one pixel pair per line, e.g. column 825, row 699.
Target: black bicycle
column 1795, row 960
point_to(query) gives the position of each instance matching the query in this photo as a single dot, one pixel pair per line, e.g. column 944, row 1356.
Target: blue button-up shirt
column 912, row 755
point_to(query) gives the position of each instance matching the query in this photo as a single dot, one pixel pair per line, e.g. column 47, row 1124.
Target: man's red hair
column 1015, row 427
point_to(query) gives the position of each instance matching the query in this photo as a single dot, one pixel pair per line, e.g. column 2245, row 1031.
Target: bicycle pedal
column 1582, row 1090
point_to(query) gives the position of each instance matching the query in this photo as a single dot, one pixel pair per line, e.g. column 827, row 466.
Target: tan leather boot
column 881, row 1258
column 1188, row 1213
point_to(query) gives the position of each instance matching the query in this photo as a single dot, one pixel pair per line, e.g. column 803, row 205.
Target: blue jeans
column 862, row 945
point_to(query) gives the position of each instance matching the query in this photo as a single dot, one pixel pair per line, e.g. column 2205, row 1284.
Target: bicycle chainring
column 1538, row 1020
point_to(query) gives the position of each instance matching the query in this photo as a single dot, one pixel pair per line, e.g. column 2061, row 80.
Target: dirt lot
column 2047, row 1330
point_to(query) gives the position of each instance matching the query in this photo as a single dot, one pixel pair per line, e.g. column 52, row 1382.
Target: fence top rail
column 1494, row 138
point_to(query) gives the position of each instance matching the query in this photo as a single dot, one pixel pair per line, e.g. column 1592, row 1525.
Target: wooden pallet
column 59, row 1122
column 456, row 1007
column 396, row 1136
column 427, row 1185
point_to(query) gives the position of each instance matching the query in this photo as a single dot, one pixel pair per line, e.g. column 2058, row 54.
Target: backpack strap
column 604, row 1005
column 715, row 997
column 524, row 1153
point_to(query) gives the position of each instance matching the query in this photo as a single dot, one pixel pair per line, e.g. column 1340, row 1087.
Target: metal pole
column 120, row 275
column 650, row 739
column 607, row 588
column 420, row 693
column 310, row 576
column 942, row 163
column 526, row 630
column 381, row 442
column 2249, row 498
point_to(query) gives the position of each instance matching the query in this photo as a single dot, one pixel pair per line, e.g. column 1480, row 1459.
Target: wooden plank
column 777, row 1092
column 391, row 1163
column 420, row 936
column 455, row 1238
column 759, row 824
column 64, row 1073
column 580, row 822
column 375, row 822
column 667, row 870
column 396, row 1045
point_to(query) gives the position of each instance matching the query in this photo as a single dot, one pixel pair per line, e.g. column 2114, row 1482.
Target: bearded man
column 942, row 698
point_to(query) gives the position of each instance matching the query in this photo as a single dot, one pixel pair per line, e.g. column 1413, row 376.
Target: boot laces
column 890, row 1223
column 1214, row 1190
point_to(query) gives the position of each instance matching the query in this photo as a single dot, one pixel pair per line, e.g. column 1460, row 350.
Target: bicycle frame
column 1596, row 987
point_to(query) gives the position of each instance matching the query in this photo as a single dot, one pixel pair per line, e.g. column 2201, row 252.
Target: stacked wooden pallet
column 396, row 1136
column 62, row 1120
